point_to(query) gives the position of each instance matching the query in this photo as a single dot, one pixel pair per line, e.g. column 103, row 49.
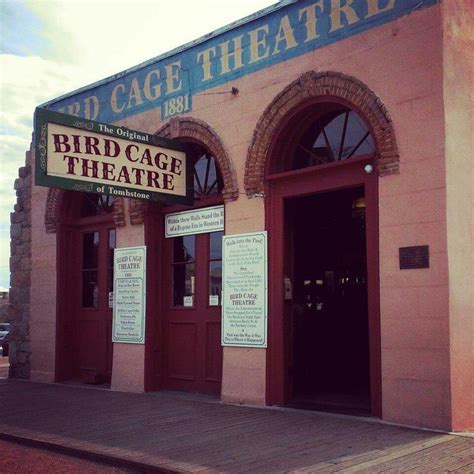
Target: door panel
column 93, row 317
column 192, row 313
column 213, row 357
column 88, row 341
column 182, row 360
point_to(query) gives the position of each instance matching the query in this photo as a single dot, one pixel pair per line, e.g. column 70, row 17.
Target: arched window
column 207, row 177
column 321, row 133
column 191, row 285
column 337, row 134
column 96, row 205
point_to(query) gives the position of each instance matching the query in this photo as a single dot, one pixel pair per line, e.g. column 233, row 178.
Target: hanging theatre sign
column 83, row 155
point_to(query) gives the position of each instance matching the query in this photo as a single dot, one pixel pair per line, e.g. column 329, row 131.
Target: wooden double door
column 191, row 313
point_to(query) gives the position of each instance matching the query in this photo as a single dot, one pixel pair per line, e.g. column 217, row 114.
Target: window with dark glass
column 110, row 260
column 188, row 250
column 90, row 284
column 183, row 270
column 337, row 135
column 207, row 178
column 97, row 251
column 96, row 205
column 215, row 268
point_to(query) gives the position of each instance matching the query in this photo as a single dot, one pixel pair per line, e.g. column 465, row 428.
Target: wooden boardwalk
column 174, row 433
column 4, row 366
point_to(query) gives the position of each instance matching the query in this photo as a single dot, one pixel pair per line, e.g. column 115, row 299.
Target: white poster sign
column 129, row 295
column 244, row 299
column 198, row 221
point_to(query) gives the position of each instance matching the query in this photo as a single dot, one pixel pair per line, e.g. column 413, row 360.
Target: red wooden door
column 192, row 313
column 93, row 274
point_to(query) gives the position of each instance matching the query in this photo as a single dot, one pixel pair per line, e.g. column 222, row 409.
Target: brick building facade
column 343, row 130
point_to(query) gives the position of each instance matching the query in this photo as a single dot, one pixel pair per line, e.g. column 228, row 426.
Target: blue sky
column 21, row 30
column 49, row 48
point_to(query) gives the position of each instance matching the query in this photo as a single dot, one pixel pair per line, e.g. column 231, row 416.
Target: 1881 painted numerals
column 176, row 105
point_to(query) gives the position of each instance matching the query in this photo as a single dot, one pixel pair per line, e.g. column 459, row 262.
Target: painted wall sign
column 244, row 298
column 129, row 295
column 83, row 155
column 198, row 221
column 278, row 33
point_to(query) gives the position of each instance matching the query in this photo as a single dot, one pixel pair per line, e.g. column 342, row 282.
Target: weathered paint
column 424, row 313
column 458, row 90
column 128, row 366
column 170, row 81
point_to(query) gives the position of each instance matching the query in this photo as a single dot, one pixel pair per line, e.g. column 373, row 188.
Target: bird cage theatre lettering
column 86, row 155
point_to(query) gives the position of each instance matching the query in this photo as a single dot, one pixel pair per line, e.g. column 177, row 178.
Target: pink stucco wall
column 128, row 366
column 402, row 62
column 414, row 303
column 43, row 291
column 458, row 66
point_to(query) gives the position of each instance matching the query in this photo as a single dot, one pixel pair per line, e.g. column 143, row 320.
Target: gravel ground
column 16, row 458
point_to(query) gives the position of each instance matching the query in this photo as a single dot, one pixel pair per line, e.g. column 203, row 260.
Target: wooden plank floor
column 176, row 433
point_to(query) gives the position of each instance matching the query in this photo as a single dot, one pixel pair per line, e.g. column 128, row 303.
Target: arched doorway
column 318, row 159
column 192, row 284
column 86, row 242
column 184, row 350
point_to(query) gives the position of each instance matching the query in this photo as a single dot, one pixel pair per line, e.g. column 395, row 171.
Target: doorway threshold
column 81, row 384
column 193, row 396
column 323, row 404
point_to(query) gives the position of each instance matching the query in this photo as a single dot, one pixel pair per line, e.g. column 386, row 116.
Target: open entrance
column 329, row 346
column 322, row 218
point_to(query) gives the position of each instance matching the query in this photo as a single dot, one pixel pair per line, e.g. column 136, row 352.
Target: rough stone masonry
column 20, row 279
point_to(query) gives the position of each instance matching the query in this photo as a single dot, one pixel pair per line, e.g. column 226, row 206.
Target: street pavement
column 17, row 458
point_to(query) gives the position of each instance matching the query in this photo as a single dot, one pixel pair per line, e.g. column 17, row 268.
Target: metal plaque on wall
column 414, row 257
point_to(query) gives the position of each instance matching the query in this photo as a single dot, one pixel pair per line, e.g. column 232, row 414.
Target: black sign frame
column 43, row 117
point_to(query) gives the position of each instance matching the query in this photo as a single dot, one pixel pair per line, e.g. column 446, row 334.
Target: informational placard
column 198, row 221
column 414, row 257
column 89, row 156
column 129, row 295
column 245, row 283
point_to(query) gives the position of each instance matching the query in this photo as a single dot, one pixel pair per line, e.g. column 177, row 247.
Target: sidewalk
column 171, row 432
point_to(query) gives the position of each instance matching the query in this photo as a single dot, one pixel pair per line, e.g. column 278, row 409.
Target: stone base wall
column 20, row 279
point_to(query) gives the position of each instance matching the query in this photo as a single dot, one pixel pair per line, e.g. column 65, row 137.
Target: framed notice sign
column 129, row 297
column 196, row 221
column 83, row 155
column 244, row 298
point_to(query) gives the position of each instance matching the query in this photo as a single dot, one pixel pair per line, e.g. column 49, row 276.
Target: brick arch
column 308, row 87
column 53, row 210
column 197, row 130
